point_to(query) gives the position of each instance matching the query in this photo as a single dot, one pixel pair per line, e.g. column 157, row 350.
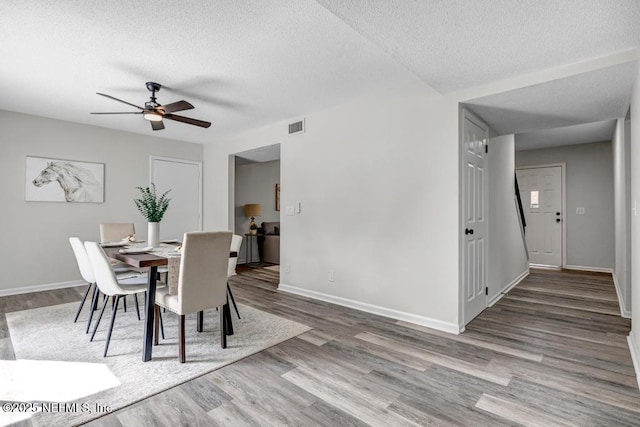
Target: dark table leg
column 147, row 344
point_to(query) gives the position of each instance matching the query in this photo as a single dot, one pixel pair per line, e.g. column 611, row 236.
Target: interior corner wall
column 622, row 203
column 508, row 262
column 589, row 181
column 634, row 336
column 255, row 183
column 36, row 252
column 377, row 182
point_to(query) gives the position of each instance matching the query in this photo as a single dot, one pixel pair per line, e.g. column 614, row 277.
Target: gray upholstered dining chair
column 116, row 231
column 202, row 281
column 110, row 286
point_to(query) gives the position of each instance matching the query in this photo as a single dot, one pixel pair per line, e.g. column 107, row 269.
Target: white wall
column 255, row 183
column 622, row 204
column 589, row 174
column 634, row 336
column 508, row 263
column 377, row 180
column 35, row 249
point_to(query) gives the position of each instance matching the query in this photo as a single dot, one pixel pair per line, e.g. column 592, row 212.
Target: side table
column 248, row 247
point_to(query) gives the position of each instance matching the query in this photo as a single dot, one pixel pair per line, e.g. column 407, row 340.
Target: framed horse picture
column 55, row 180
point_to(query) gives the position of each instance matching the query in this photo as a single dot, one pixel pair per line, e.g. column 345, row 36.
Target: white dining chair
column 87, row 275
column 110, row 286
column 236, row 243
column 86, row 271
column 202, row 282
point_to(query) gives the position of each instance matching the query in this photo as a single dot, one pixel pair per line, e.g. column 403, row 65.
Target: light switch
column 579, row 211
column 290, row 211
column 298, row 207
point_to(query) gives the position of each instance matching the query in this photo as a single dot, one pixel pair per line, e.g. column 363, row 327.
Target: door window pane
column 535, row 204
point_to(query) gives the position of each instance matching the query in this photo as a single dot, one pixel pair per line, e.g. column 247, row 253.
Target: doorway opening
column 255, row 193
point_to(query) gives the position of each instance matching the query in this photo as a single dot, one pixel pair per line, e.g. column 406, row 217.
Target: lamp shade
column 252, row 209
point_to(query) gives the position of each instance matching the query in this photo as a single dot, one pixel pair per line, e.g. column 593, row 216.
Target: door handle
column 468, row 231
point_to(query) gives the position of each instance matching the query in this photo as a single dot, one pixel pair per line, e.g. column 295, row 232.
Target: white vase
column 153, row 234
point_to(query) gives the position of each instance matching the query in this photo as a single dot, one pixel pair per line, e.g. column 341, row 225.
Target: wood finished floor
column 551, row 352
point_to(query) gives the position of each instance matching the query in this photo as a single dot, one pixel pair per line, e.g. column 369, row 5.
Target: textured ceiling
column 247, row 64
column 456, row 44
column 242, row 64
column 570, row 135
column 583, row 98
column 261, row 154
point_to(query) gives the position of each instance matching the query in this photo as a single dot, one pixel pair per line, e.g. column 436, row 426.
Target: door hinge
column 486, row 290
column 486, row 148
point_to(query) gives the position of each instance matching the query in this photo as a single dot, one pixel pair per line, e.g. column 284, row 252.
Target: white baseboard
column 624, row 313
column 507, row 288
column 451, row 328
column 635, row 356
column 40, row 288
column 592, row 269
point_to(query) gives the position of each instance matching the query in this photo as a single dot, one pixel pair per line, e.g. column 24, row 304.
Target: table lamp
column 252, row 210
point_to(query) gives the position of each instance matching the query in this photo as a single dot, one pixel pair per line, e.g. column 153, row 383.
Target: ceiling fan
column 155, row 112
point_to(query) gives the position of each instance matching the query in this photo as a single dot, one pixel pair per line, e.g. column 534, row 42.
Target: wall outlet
column 287, row 268
column 290, row 211
column 332, row 276
column 579, row 211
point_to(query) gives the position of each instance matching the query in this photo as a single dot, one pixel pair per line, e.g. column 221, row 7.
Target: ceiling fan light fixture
column 153, row 117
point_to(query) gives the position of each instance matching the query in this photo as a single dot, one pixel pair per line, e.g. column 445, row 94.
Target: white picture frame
column 69, row 181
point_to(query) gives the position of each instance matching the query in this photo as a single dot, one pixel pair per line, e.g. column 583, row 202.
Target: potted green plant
column 153, row 208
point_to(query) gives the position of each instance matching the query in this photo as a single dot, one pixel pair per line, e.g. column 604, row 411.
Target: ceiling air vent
column 296, row 127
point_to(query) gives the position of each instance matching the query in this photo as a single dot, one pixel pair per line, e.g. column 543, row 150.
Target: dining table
column 152, row 259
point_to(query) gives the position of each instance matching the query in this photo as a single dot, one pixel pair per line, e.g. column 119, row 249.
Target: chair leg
column 223, row 329
column 156, row 325
column 113, row 319
column 181, row 338
column 84, row 298
column 124, row 299
column 227, row 313
column 233, row 300
column 161, row 324
column 94, row 304
column 200, row 321
column 135, row 298
column 95, row 328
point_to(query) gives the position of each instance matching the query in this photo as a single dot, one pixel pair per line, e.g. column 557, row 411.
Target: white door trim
column 152, row 159
column 565, row 214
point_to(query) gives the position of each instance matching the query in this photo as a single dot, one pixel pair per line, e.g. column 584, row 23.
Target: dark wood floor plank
column 552, row 351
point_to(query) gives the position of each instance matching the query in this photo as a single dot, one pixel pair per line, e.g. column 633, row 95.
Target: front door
column 476, row 136
column 541, row 193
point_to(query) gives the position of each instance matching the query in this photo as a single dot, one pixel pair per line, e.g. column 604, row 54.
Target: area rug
column 71, row 383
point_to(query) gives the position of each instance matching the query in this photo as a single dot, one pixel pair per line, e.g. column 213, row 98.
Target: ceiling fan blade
column 187, row 120
column 157, row 125
column 119, row 100
column 122, row 112
column 176, row 106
